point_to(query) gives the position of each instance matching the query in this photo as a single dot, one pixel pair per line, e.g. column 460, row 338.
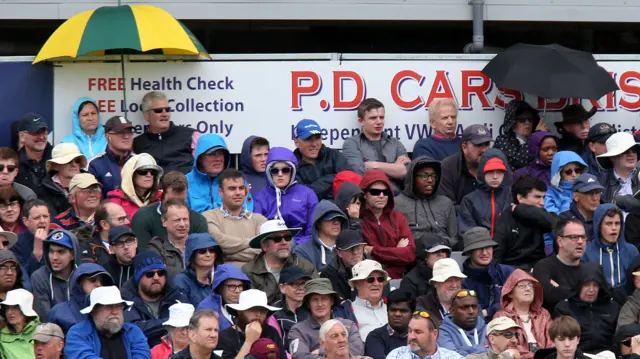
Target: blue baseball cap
column 586, row 182
column 306, row 128
column 61, row 238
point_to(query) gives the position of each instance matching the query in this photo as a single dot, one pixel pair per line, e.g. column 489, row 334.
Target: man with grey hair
column 442, row 141
column 203, row 336
column 334, row 339
column 105, row 334
column 172, row 146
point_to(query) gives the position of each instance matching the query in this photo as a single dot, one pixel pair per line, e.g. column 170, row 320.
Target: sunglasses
column 161, row 109
column 377, row 192
column 466, row 293
column 5, row 244
column 570, row 171
column 278, row 239
column 77, row 160
column 211, row 250
column 626, row 342
column 275, row 171
column 423, row 314
column 524, row 119
column 10, row 168
column 146, row 172
column 161, row 273
column 371, row 280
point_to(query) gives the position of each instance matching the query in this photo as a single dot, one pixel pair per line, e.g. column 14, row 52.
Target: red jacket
column 163, row 350
column 118, row 196
column 383, row 234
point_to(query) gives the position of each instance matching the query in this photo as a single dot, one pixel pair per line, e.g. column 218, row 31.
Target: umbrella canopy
column 137, row 28
column 550, row 71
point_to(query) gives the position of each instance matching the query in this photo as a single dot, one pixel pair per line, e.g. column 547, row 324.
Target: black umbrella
column 550, row 71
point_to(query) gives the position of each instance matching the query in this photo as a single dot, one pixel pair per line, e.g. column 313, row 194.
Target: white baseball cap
column 361, row 270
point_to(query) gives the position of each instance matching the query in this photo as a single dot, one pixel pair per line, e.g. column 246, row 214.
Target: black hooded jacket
column 344, row 196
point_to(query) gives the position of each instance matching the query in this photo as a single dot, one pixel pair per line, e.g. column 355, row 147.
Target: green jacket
column 18, row 346
column 146, row 224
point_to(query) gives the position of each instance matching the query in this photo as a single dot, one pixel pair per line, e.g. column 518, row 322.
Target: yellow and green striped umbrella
column 126, row 29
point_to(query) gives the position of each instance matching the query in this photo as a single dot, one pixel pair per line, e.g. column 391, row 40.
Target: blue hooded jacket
column 488, row 283
column 294, row 204
column 559, row 195
column 83, row 342
column 214, row 301
column 90, row 146
column 187, row 281
column 451, row 338
column 203, row 190
column 67, row 314
column 615, row 258
column 314, row 251
column 256, row 179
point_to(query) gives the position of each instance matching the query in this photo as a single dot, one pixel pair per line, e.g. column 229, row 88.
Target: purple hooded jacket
column 294, row 204
column 535, row 167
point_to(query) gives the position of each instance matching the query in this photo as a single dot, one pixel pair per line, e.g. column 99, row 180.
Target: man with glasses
column 383, row 340
column 151, row 295
column 123, row 246
column 292, row 281
column 229, row 283
column 560, row 274
column 275, row 242
column 85, row 195
column 369, row 280
column 9, row 173
column 33, row 156
column 108, row 215
column 502, row 335
column 422, row 340
column 172, row 146
column 463, row 330
column 106, row 166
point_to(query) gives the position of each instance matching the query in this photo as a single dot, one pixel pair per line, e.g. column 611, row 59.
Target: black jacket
column 612, row 186
column 53, row 194
column 231, row 340
column 520, row 236
column 569, row 142
column 598, row 319
column 31, row 172
column 287, row 319
column 186, row 354
column 380, row 342
column 319, row 176
column 94, row 251
column 456, row 181
column 171, row 150
column 120, row 273
column 430, row 303
column 416, row 281
column 339, row 276
column 344, row 196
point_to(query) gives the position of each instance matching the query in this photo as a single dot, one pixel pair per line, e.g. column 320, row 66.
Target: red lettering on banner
column 298, row 89
column 441, row 87
column 106, row 84
column 513, row 94
column 338, row 79
column 396, row 83
column 626, row 87
column 106, row 105
column 481, row 90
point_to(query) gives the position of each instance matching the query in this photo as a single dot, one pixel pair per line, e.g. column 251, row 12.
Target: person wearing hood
column 565, row 168
column 140, row 180
column 484, row 275
column 520, row 121
column 620, row 162
column 317, row 164
column 482, row 207
column 201, row 257
column 608, row 247
column 385, row 229
column 12, row 275
column 425, row 209
column 442, row 141
column 346, row 176
column 211, row 158
column 597, row 145
column 464, row 330
column 416, row 282
column 51, row 282
column 151, row 295
column 521, row 301
column 228, row 282
column 22, row 321
column 574, row 128
column 328, row 222
column 349, row 199
column 594, row 308
column 284, row 198
column 349, row 252
column 253, row 162
column 542, row 146
column 87, row 133
column 587, row 192
column 123, row 245
column 85, row 195
column 9, row 159
column 85, row 279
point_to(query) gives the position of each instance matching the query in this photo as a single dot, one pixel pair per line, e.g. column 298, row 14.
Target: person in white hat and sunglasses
column 369, row 280
column 620, row 161
column 177, row 326
column 22, row 320
column 105, row 334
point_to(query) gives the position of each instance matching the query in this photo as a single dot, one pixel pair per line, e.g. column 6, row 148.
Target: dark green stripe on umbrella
column 195, row 41
column 110, row 27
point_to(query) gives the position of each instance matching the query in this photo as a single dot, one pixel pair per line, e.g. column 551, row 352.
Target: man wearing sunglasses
column 369, row 280
column 597, row 145
column 502, row 334
column 9, row 173
column 151, row 295
column 172, row 146
column 33, row 156
column 463, row 330
column 620, row 161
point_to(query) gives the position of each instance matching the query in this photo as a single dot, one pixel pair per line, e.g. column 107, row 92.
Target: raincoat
column 214, row 300
column 18, row 345
column 559, row 195
column 83, row 341
column 512, row 145
column 256, row 180
column 126, row 195
column 463, row 342
column 344, row 196
column 319, row 175
column 488, row 283
column 536, row 168
column 90, row 146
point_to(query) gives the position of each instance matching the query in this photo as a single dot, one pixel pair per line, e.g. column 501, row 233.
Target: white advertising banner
column 267, row 98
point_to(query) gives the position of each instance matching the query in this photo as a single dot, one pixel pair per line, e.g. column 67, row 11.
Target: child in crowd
column 565, row 168
column 542, row 147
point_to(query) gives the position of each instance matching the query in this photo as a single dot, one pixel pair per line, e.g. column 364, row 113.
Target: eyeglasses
column 507, row 334
column 204, row 251
column 297, row 285
column 275, row 171
column 6, row 269
column 13, row 204
column 427, row 176
column 10, row 168
column 423, row 314
column 575, row 237
column 128, row 242
column 525, row 285
column 377, row 192
column 571, row 171
column 278, row 239
column 160, row 109
column 146, row 172
column 371, row 280
column 161, row 273
column 235, row 287
column 466, row 293
column 92, row 189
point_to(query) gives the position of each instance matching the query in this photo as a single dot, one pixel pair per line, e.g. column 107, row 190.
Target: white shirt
column 369, row 317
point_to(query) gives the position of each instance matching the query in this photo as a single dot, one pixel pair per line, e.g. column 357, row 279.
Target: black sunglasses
column 161, row 273
column 274, row 171
column 278, row 239
column 9, row 168
column 376, row 192
column 5, row 244
column 211, row 250
column 370, row 280
column 145, row 172
column 161, row 109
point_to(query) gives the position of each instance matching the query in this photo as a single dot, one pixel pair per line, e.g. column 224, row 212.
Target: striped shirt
column 406, row 353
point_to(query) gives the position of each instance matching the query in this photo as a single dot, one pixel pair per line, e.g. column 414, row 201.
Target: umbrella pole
column 124, row 85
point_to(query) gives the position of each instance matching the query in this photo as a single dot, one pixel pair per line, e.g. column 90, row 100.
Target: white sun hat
column 11, row 237
column 617, row 144
column 105, row 296
column 364, row 268
column 23, row 299
column 272, row 227
column 64, row 153
column 446, row 268
column 179, row 315
column 252, row 298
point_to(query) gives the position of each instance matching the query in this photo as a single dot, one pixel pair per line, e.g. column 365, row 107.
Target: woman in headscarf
column 140, row 178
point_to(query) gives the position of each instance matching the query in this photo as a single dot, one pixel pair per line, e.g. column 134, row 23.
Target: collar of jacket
column 259, row 266
column 22, row 156
column 321, row 154
column 120, row 160
column 392, row 332
column 194, row 277
column 384, row 138
column 163, row 136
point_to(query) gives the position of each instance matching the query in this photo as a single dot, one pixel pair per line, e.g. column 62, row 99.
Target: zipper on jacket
column 493, row 211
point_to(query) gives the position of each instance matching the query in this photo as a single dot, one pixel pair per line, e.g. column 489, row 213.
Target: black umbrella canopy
column 550, row 71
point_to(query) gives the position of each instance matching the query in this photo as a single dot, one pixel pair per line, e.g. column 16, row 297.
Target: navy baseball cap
column 33, row 122
column 586, row 182
column 600, row 132
column 61, row 238
column 118, row 232
column 291, row 274
column 476, row 134
column 306, row 128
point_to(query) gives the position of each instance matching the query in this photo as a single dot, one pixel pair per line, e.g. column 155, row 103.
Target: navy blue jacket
column 488, row 283
column 23, row 249
column 106, row 168
column 187, row 281
column 319, row 175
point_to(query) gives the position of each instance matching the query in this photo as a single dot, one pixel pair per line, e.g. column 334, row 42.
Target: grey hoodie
column 48, row 288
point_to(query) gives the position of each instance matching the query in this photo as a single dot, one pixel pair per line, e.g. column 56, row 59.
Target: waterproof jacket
column 214, row 300
column 263, row 280
column 598, row 319
column 517, row 153
column 18, row 345
column 416, row 282
column 384, row 233
column 339, row 276
column 457, row 181
column 52, row 193
column 163, row 350
column 23, row 250
column 427, row 214
column 66, row 314
column 94, row 251
column 592, row 163
column 344, row 196
column 630, row 312
column 126, row 195
column 559, row 195
column 574, row 212
column 614, row 258
column 319, row 175
column 284, row 319
column 172, row 149
column 257, row 180
column 172, row 257
column 314, row 250
column 536, row 168
column 90, row 146
column 473, row 341
column 612, row 185
column 120, row 273
column 187, row 282
column 294, row 204
column 539, row 317
column 83, row 341
column 48, row 288
column 304, row 339
column 30, row 172
column 106, row 168
column 488, row 283
column 140, row 315
column 483, row 206
column 345, row 177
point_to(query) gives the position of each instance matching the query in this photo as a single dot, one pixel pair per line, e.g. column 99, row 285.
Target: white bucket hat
column 250, row 299
column 64, row 153
column 105, row 296
column 362, row 269
column 11, row 237
column 179, row 315
column 617, row 144
column 23, row 299
column 444, row 269
column 272, row 227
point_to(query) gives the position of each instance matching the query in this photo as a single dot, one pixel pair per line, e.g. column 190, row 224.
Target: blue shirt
column 406, row 353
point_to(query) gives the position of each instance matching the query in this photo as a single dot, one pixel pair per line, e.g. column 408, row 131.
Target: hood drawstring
column 610, row 250
column 466, row 340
